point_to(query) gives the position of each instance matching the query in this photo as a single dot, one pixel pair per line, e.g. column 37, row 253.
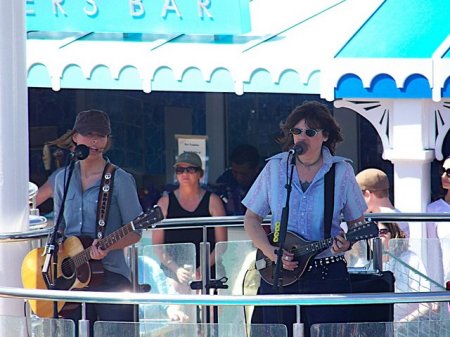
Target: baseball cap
column 191, row 158
column 372, row 179
column 92, row 121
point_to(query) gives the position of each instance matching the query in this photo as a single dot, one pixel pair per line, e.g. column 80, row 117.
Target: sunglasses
column 309, row 132
column 189, row 169
column 383, row 231
column 446, row 171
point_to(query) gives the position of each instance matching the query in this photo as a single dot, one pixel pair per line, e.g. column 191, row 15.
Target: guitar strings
column 79, row 259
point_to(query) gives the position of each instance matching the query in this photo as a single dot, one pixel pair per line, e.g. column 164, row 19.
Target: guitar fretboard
column 84, row 256
column 314, row 247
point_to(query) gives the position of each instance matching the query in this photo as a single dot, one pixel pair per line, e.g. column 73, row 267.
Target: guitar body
column 293, row 243
column 68, row 277
column 304, row 251
column 74, row 267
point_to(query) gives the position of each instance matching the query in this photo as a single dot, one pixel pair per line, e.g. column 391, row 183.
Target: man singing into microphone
column 310, row 135
column 82, row 216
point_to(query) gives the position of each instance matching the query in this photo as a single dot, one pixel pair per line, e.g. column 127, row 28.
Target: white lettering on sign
column 170, row 5
column 222, row 17
column 94, row 9
column 28, row 10
column 202, row 7
column 57, row 5
column 136, row 8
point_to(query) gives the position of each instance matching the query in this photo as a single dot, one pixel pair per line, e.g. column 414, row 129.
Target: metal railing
column 226, row 300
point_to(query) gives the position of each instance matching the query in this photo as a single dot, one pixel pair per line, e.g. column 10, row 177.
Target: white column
column 13, row 146
column 411, row 157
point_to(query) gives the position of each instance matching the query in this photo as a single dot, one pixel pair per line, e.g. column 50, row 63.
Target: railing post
column 377, row 255
column 205, row 269
column 83, row 323
column 133, row 251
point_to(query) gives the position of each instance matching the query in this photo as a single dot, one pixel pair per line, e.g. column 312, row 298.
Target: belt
column 325, row 261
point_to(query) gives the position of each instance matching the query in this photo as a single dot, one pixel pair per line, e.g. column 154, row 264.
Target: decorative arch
column 377, row 112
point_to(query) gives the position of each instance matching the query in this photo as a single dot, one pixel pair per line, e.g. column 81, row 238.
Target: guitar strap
column 329, row 201
column 104, row 198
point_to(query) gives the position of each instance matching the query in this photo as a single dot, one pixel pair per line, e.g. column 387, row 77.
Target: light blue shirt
column 80, row 211
column 306, row 209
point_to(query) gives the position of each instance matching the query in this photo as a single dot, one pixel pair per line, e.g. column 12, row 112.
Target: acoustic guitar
column 75, row 269
column 304, row 251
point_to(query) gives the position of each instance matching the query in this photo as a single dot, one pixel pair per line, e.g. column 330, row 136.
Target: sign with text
column 219, row 17
column 197, row 144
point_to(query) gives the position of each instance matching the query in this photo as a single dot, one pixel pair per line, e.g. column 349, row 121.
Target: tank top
column 194, row 235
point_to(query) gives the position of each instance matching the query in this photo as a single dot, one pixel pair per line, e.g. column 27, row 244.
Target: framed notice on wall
column 197, row 144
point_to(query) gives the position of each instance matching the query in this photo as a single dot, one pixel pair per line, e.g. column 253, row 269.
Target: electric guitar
column 75, row 269
column 304, row 251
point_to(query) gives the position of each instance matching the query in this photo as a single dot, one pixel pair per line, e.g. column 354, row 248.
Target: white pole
column 13, row 146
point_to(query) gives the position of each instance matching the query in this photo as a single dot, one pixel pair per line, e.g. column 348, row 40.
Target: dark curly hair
column 316, row 116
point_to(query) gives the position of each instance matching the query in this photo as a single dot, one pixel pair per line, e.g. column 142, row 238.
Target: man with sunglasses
column 310, row 135
column 374, row 185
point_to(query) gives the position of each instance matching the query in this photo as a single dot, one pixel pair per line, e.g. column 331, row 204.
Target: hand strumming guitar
column 287, row 260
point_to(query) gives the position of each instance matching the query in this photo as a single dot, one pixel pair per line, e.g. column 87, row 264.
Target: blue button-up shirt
column 80, row 211
column 306, row 208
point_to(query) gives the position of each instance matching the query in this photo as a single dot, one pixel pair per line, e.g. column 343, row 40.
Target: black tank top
column 189, row 235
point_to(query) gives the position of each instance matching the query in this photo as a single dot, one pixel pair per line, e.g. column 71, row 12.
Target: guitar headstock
column 362, row 231
column 149, row 218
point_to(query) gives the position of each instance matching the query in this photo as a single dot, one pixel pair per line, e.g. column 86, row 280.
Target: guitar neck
column 84, row 256
column 315, row 246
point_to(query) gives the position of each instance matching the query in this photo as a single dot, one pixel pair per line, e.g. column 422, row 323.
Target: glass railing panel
column 359, row 255
column 44, row 327
column 238, row 259
column 412, row 276
column 384, row 329
column 171, row 329
column 371, row 329
column 36, row 327
column 163, row 280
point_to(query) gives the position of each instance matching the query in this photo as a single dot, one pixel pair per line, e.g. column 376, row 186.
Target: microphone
column 297, row 149
column 81, row 152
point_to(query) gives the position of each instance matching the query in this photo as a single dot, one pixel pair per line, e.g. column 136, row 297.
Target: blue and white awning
column 351, row 48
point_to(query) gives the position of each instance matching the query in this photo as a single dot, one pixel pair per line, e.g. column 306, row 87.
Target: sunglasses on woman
column 383, row 231
column 309, row 132
column 189, row 169
column 446, row 171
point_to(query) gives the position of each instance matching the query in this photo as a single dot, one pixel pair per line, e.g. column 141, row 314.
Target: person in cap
column 374, row 185
column 92, row 128
column 189, row 200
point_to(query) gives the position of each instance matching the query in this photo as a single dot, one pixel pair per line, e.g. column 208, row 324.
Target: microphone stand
column 283, row 229
column 52, row 245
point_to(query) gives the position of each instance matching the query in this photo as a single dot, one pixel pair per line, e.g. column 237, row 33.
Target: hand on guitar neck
column 97, row 253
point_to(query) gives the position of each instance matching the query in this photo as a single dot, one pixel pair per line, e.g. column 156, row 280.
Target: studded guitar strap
column 104, row 198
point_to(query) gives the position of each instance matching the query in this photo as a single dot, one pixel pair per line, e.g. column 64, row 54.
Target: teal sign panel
column 218, row 17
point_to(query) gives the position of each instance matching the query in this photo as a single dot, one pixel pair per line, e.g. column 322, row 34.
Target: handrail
column 228, row 300
column 235, row 221
column 238, row 221
column 26, row 235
